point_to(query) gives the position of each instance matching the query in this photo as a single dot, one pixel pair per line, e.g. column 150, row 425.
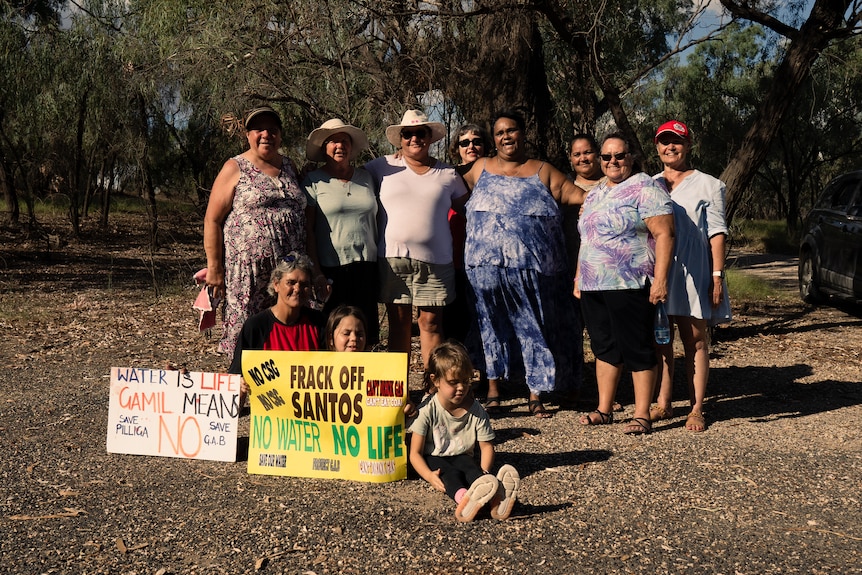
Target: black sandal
column 537, row 408
column 638, row 426
column 493, row 408
column 604, row 418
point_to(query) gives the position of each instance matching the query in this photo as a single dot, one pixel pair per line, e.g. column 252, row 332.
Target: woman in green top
column 344, row 220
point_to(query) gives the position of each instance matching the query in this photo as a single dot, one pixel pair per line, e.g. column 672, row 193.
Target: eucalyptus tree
column 715, row 90
column 27, row 35
column 718, row 92
column 609, row 48
column 13, row 63
column 311, row 60
column 822, row 135
column 828, row 21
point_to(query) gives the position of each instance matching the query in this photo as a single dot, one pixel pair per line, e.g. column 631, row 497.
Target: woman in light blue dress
column 697, row 292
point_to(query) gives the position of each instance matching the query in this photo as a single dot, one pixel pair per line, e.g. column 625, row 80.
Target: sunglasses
column 477, row 143
column 618, row 156
column 667, row 140
column 407, row 134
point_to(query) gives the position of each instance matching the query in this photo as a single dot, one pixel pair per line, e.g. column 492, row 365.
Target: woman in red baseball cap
column 697, row 292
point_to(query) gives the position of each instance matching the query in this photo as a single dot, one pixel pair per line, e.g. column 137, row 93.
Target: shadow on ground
column 756, row 393
column 529, row 463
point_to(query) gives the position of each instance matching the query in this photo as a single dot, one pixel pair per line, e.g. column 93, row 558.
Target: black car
column 830, row 255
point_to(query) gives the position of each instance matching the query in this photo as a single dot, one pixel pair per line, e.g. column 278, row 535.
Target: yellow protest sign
column 327, row 414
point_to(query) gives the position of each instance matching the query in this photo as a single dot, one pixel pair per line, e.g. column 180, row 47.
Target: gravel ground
column 773, row 486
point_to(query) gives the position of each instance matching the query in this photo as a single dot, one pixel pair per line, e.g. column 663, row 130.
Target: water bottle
column 662, row 325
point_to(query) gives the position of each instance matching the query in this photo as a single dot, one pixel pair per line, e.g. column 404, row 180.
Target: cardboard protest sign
column 173, row 414
column 327, row 414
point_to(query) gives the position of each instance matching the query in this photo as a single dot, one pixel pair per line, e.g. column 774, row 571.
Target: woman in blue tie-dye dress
column 516, row 264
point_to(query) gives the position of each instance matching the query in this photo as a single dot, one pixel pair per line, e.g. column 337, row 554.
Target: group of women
column 402, row 231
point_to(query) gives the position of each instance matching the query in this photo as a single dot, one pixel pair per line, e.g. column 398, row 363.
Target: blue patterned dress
column 516, row 264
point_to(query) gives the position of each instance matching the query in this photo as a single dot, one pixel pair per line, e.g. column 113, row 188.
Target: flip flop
column 481, row 492
column 504, row 500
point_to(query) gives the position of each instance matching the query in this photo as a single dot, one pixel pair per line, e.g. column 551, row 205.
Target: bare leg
column 695, row 341
column 494, row 390
column 644, row 383
column 400, row 324
column 430, row 331
column 664, row 353
column 607, row 378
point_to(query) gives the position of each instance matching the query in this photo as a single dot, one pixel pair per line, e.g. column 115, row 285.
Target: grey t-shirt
column 446, row 435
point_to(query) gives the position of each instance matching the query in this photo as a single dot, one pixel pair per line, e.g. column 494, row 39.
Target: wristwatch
column 718, row 274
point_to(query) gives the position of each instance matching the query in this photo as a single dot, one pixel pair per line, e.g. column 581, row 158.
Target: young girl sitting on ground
column 445, row 434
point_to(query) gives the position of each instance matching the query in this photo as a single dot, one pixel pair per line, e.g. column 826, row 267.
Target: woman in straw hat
column 256, row 215
column 415, row 244
column 344, row 221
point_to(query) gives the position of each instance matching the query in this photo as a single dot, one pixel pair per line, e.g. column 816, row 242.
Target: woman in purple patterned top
column 626, row 245
column 256, row 215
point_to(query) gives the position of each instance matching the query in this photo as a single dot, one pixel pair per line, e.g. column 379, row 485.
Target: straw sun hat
column 314, row 144
column 412, row 119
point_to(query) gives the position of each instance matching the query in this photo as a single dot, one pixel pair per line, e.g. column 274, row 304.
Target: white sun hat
column 412, row 119
column 314, row 144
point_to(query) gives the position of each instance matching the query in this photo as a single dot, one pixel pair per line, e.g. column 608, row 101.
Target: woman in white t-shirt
column 414, row 242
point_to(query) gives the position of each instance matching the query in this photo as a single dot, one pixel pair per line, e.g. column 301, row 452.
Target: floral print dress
column 266, row 223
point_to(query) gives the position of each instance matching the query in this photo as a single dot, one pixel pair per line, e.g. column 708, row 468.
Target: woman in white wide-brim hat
column 415, row 244
column 344, row 221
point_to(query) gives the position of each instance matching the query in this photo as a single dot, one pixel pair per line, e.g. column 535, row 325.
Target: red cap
column 675, row 127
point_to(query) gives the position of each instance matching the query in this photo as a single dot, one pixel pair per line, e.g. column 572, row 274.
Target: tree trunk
column 146, row 176
column 7, row 183
column 107, row 186
column 814, row 36
column 563, row 24
column 76, row 185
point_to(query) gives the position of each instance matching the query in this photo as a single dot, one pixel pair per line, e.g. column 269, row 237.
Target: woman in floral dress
column 256, row 215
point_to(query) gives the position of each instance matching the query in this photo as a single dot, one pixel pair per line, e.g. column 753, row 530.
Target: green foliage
column 715, row 92
column 744, row 287
column 139, row 96
column 763, row 236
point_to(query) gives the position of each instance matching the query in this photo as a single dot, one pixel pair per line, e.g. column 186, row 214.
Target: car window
column 839, row 195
